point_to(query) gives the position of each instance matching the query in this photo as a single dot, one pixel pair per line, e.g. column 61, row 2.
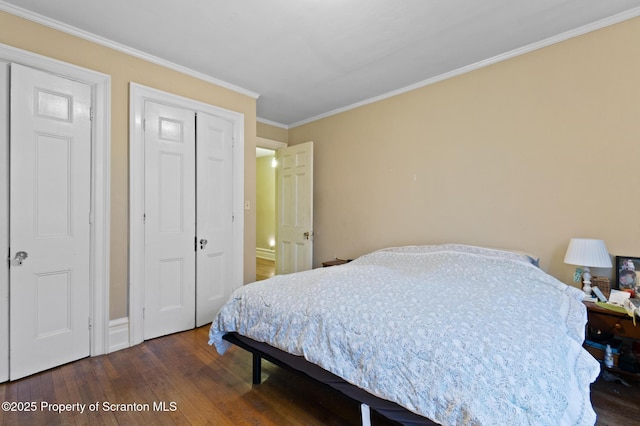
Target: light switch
column 247, row 205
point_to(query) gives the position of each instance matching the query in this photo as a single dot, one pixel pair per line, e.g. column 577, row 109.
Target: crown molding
column 39, row 19
column 56, row 25
column 606, row 22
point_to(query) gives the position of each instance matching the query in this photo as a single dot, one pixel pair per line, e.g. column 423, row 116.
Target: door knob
column 20, row 257
column 308, row 235
column 203, row 243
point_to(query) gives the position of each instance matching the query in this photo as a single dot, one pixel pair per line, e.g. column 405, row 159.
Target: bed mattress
column 456, row 334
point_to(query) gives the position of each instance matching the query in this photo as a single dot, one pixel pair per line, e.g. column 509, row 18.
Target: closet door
column 185, row 250
column 214, row 215
column 49, row 219
column 4, row 220
column 170, row 270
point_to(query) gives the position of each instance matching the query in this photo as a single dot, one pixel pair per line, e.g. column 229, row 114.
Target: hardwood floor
column 184, row 376
column 615, row 403
column 264, row 269
column 184, row 373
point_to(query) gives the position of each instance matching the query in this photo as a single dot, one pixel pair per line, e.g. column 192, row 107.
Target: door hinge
column 90, row 323
column 92, row 217
column 143, row 309
column 144, row 218
column 91, row 113
column 144, row 124
column 195, row 243
column 233, row 218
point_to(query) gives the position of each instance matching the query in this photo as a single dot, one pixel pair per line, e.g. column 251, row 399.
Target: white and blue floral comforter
column 459, row 334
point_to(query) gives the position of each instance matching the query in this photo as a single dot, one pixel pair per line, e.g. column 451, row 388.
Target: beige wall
column 524, row 154
column 265, row 202
column 124, row 69
column 275, row 133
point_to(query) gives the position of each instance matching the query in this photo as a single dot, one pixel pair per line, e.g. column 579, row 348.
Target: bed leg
column 366, row 415
column 257, row 369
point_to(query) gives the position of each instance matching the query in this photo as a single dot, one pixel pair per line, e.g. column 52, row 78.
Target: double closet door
column 188, row 217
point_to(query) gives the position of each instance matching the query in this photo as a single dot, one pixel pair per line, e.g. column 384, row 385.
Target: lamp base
column 586, row 281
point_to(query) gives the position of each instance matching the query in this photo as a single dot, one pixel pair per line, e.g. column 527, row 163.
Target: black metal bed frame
column 298, row 364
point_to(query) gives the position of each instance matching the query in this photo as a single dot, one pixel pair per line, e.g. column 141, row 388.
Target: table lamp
column 587, row 253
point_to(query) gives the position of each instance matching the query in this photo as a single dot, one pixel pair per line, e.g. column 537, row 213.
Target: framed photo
column 627, row 269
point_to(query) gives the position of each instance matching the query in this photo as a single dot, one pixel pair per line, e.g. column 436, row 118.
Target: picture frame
column 627, row 270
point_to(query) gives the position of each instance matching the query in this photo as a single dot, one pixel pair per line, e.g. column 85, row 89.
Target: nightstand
column 605, row 326
column 335, row 262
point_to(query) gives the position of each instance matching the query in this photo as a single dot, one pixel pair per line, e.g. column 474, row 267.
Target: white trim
column 263, row 253
column 269, row 143
column 118, row 334
column 272, row 123
column 60, row 26
column 606, row 22
column 101, row 178
column 57, row 25
column 137, row 96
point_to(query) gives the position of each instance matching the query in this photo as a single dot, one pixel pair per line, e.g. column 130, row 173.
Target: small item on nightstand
column 608, row 357
column 601, row 297
column 602, row 283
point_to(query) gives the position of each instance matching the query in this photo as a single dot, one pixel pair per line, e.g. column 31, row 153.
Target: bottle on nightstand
column 608, row 357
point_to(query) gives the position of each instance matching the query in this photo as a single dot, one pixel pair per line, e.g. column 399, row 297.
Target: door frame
column 269, row 144
column 100, row 190
column 138, row 94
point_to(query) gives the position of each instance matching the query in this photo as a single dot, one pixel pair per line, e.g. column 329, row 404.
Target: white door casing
column 294, row 208
column 138, row 96
column 169, row 293
column 50, row 205
column 214, row 200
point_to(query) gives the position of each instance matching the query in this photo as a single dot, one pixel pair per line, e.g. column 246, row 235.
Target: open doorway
column 265, row 213
column 266, row 207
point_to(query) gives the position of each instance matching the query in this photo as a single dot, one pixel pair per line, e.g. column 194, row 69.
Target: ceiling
column 311, row 58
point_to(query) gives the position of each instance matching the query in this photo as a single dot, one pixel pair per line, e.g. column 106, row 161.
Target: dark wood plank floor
column 181, row 374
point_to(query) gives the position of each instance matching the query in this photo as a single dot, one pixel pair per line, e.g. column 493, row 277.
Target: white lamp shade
column 588, row 252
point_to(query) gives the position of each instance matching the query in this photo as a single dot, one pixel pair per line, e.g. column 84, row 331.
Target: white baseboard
column 263, row 253
column 118, row 334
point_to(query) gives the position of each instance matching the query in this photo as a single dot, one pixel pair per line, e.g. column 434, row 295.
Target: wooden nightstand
column 616, row 328
column 335, row 262
column 617, row 323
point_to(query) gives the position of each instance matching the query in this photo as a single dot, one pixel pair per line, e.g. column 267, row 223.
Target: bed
column 446, row 334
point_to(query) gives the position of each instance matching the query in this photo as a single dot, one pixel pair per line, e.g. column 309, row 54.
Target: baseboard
column 118, row 334
column 263, row 253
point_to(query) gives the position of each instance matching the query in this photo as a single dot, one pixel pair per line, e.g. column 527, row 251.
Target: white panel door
column 4, row 220
column 214, row 215
column 169, row 291
column 49, row 220
column 294, row 208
